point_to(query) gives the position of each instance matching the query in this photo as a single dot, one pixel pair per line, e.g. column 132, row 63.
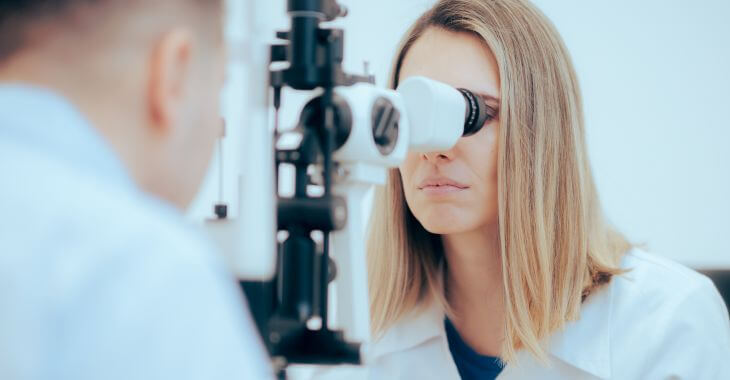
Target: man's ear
column 168, row 76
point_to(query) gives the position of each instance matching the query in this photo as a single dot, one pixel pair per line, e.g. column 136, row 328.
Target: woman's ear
column 169, row 69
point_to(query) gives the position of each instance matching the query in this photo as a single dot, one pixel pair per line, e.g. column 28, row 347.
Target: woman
column 494, row 258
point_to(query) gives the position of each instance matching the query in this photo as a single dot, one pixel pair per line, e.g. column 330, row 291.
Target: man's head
column 146, row 73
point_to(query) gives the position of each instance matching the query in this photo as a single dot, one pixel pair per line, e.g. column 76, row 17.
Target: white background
column 655, row 80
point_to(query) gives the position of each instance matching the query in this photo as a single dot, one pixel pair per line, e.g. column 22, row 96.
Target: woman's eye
column 492, row 114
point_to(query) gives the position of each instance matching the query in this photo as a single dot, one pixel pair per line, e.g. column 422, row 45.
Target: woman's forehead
column 459, row 59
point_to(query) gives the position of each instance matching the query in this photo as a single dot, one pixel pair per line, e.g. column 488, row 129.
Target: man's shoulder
column 55, row 209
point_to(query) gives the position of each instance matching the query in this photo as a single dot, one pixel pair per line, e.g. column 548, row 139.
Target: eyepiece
column 476, row 112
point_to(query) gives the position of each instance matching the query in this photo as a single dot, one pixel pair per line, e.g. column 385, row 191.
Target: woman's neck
column 474, row 288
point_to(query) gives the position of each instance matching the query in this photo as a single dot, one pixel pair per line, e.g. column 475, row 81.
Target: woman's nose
column 437, row 157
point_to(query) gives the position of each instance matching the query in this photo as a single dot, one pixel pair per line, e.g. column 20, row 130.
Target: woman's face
column 455, row 191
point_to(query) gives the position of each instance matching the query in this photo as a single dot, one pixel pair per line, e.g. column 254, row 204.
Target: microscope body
column 315, row 309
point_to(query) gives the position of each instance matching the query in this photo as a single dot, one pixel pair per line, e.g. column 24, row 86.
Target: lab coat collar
column 40, row 120
column 584, row 344
column 418, row 327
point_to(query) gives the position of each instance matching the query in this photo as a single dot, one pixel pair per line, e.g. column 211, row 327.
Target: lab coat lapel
column 583, row 344
column 410, row 331
column 586, row 343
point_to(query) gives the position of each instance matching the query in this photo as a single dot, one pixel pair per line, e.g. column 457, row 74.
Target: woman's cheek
column 407, row 169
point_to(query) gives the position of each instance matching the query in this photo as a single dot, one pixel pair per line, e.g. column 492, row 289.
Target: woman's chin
column 443, row 230
column 445, row 225
column 447, row 218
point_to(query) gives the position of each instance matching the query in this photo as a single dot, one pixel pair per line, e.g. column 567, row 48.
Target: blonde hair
column 556, row 246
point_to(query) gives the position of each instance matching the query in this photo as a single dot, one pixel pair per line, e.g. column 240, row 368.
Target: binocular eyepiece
column 476, row 112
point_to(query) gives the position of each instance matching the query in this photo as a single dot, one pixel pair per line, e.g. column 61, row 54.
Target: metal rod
column 220, row 170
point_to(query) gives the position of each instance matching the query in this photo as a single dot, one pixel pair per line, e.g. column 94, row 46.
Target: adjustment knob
column 385, row 125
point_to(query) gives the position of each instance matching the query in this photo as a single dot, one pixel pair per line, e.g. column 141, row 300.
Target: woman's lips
column 436, row 190
column 441, row 186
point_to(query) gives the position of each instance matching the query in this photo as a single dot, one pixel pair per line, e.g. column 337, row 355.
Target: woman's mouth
column 441, row 186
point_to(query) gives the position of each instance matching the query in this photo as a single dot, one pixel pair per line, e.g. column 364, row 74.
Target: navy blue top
column 471, row 364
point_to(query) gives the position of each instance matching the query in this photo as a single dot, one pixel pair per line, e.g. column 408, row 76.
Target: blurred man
column 108, row 116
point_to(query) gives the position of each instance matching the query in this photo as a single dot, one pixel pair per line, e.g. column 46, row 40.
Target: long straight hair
column 556, row 246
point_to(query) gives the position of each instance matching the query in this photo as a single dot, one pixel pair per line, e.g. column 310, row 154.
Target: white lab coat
column 97, row 279
column 659, row 321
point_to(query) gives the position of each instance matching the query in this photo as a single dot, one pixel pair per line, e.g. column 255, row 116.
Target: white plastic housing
column 248, row 241
column 436, row 113
column 360, row 146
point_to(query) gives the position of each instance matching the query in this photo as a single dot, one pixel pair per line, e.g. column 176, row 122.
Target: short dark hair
column 16, row 16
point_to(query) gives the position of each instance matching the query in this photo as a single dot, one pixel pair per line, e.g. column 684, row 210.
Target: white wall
column 656, row 81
